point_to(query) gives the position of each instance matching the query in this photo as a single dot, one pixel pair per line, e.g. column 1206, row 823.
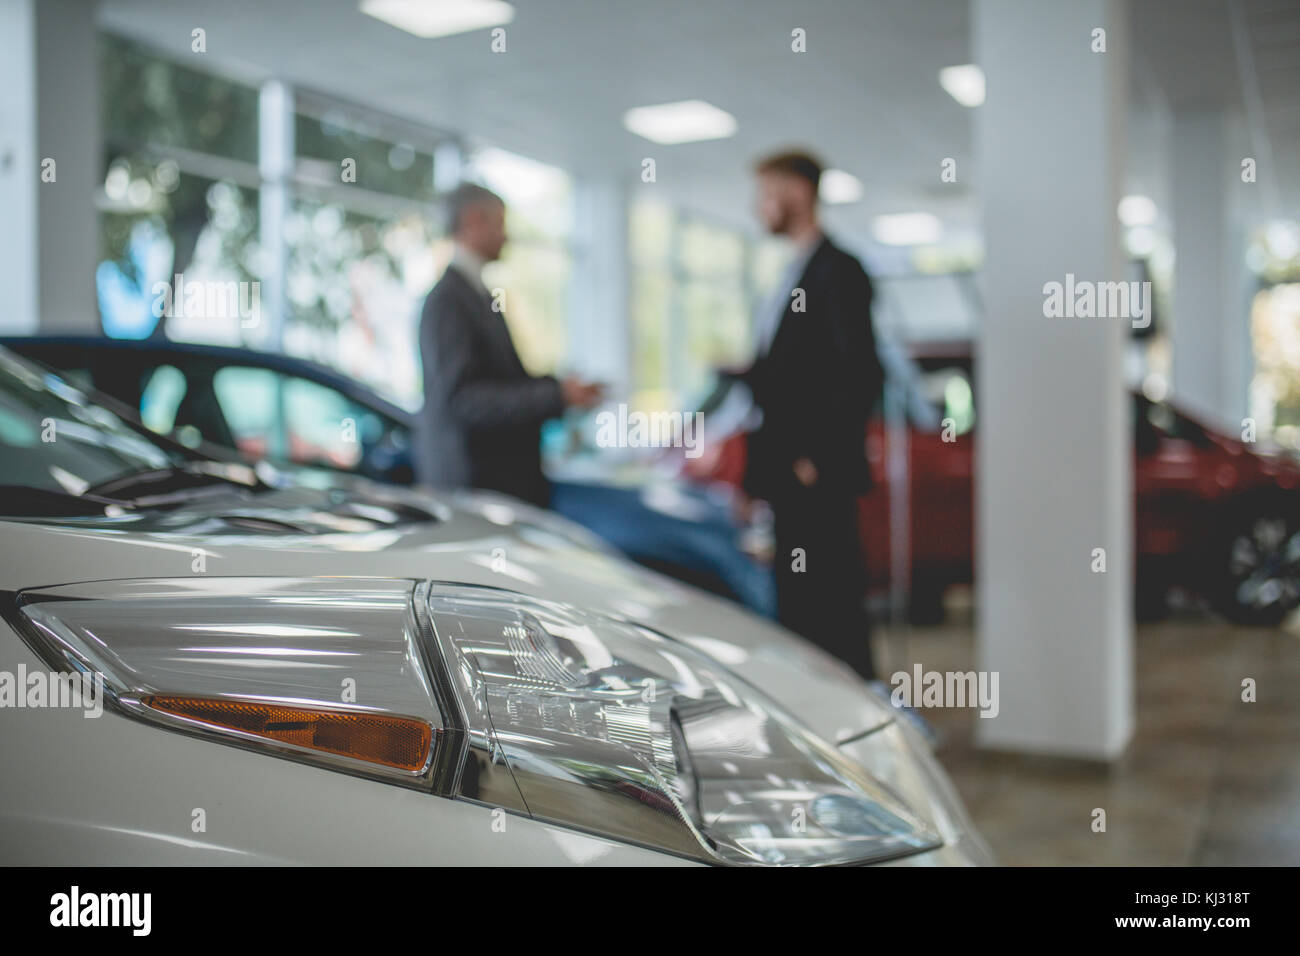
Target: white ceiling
column 865, row 95
column 1185, row 57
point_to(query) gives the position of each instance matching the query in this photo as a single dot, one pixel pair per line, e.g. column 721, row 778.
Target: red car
column 1216, row 516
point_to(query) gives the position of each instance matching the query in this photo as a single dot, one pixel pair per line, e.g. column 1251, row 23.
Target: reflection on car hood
column 357, row 528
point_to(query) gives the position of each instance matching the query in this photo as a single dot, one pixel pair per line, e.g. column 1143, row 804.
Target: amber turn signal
column 400, row 742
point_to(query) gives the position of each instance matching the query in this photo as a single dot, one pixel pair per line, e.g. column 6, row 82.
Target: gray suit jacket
column 483, row 413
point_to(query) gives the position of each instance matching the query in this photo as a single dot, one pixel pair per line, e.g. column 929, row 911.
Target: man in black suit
column 814, row 381
column 483, row 412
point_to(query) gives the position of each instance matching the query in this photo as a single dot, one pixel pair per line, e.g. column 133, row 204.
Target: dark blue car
column 292, row 411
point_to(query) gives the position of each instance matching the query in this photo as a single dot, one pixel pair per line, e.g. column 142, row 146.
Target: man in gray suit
column 483, row 413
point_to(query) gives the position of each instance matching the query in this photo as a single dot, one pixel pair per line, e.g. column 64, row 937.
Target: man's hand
column 805, row 471
column 743, row 508
column 579, row 393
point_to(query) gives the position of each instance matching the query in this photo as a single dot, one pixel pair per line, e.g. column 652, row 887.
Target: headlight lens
column 329, row 672
column 613, row 728
column 495, row 697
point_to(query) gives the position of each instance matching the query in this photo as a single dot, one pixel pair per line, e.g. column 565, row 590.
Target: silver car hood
column 360, row 529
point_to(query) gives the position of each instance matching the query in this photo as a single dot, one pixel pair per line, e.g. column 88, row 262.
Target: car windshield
column 54, row 438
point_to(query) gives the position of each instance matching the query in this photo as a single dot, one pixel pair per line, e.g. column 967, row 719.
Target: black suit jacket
column 483, row 413
column 817, row 383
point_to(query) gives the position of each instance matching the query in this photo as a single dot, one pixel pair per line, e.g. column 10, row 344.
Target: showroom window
column 694, row 288
column 1275, row 388
column 147, row 99
column 179, row 192
column 363, row 243
column 328, row 137
column 537, row 264
column 362, row 235
column 1273, row 259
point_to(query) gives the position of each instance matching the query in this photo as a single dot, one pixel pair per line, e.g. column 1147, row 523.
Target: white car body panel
column 113, row 790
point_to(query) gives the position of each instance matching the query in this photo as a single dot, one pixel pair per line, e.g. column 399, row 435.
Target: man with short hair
column 483, row 412
column 814, row 380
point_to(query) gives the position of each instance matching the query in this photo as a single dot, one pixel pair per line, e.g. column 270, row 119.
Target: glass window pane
column 539, row 197
column 533, row 273
column 151, row 100
column 383, row 163
column 691, row 304
column 355, row 286
column 650, row 227
column 534, row 280
column 202, row 230
column 707, row 250
column 717, row 329
column 770, row 257
column 250, row 401
column 285, row 418
column 161, row 398
column 323, row 426
column 1275, row 386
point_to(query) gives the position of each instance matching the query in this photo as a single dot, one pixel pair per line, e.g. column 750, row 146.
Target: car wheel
column 1260, row 569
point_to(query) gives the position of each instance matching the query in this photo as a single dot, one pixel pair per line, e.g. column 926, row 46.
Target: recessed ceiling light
column 838, row 187
column 965, row 83
column 1140, row 241
column 907, row 229
column 1137, row 211
column 439, row 18
column 688, row 121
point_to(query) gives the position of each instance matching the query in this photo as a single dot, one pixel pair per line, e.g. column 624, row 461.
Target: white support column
column 599, row 319
column 275, row 162
column 1210, row 323
column 50, row 165
column 1054, row 461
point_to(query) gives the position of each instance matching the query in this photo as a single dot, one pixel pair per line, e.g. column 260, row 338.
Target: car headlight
column 330, row 672
column 493, row 697
column 610, row 727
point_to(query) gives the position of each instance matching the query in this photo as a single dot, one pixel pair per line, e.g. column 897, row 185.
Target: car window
column 287, row 418
column 53, row 438
column 161, row 398
column 949, row 390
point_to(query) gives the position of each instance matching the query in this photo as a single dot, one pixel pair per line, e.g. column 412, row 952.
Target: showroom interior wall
column 49, row 165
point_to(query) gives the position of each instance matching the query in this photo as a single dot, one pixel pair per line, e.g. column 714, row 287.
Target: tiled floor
column 1206, row 780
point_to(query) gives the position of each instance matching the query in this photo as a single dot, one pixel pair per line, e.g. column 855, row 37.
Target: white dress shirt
column 469, row 264
column 773, row 310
